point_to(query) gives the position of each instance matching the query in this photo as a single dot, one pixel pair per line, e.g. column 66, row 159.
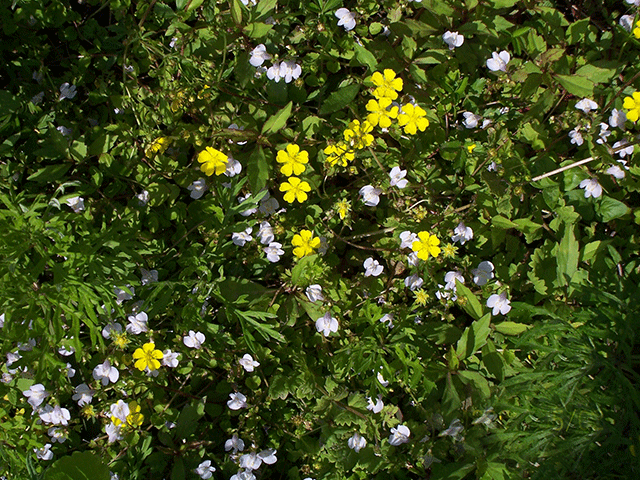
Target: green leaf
column 236, row 11
column 277, row 121
column 478, row 381
column 257, row 29
column 8, row 103
column 339, row 99
column 50, row 173
column 365, row 57
column 503, row 3
column 472, row 306
column 576, row 84
column 511, row 328
column 257, row 170
column 79, row 466
column 610, row 208
column 567, row 256
column 474, row 337
column 503, row 223
column 265, row 6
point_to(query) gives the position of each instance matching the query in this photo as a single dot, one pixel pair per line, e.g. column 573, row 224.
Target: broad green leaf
column 472, row 306
column 50, row 173
column 257, row 169
column 78, row 466
column 277, row 121
column 339, row 99
column 478, row 381
column 365, row 57
column 265, row 6
column 257, row 29
column 610, row 209
column 236, row 11
column 502, row 222
column 503, row 3
column 567, row 256
column 511, row 328
column 578, row 85
column 474, row 337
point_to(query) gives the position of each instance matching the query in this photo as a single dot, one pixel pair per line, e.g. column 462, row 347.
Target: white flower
column 234, row 167
column 64, row 130
column 143, row 198
column 397, row 177
column 57, row 434
column 36, row 395
column 626, row 22
column 56, row 415
column 111, row 330
column 576, row 136
column 122, row 295
column 106, row 373
column 170, row 359
column 454, row 430
column 44, row 453
column 586, row 105
column 450, row 280
column 486, row 418
column 250, row 461
column 498, row 61
column 265, row 233
column 407, row 238
column 119, row 411
column 237, row 401
column 113, row 432
column 314, row 293
column 412, row 259
column 247, row 2
column 413, row 282
column 399, row 435
column 388, row 319
column 83, row 395
column 591, row 188
column 37, row 98
column 197, row 188
column 604, row 133
column 76, row 203
column 205, row 470
column 483, row 273
column 471, row 120
column 375, row 407
column 499, row 303
column 372, row 267
column 240, row 238
column 148, row 276
column 462, row 234
column 246, row 475
column 268, row 456
column 616, row 171
column 381, row 379
column 2, row 320
column 269, row 205
column 633, row 2
column 234, row 443
column 357, row 442
column 370, row 195
column 617, row 118
column 248, row 363
column 286, row 69
column 453, row 39
column 137, row 323
column 258, row 56
column 67, row 91
column 346, row 19
column 623, row 152
column 194, row 340
column 327, row 324
column 248, row 211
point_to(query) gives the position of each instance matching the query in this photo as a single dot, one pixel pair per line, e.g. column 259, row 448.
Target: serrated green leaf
column 576, row 84
column 610, row 208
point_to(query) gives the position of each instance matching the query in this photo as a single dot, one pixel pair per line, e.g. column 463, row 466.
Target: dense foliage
column 319, row 239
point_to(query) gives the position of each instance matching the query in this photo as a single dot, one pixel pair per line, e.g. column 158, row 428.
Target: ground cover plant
column 319, row 240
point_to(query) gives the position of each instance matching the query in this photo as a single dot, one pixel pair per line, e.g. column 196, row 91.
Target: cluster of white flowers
column 287, row 70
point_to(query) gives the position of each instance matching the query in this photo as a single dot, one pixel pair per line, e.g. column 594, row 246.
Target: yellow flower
column 305, row 243
column 426, row 245
column 343, row 207
column 88, row 411
column 159, row 145
column 120, row 340
column 340, row 153
column 633, row 105
column 471, row 147
column 134, row 418
column 293, row 159
column 387, row 85
column 147, row 356
column 421, row 297
column 213, row 161
column 296, row 190
column 380, row 112
column 449, row 250
column 358, row 135
column 636, row 31
column 412, row 118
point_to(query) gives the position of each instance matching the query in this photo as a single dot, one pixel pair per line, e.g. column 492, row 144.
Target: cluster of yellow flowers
column 293, row 162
